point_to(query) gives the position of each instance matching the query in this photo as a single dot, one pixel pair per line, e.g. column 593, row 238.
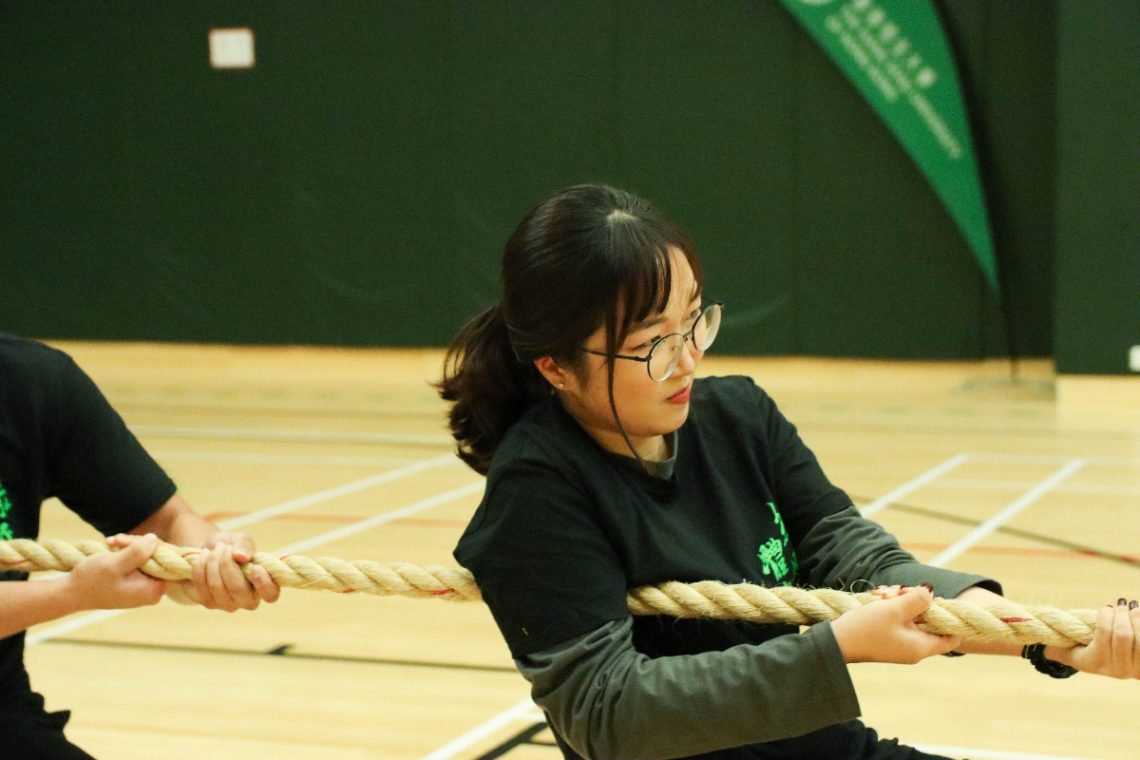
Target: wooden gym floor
column 1035, row 481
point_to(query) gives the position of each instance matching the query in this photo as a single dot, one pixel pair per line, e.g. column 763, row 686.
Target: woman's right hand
column 112, row 580
column 1115, row 646
column 885, row 630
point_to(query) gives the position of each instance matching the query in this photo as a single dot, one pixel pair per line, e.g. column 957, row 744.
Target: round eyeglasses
column 665, row 353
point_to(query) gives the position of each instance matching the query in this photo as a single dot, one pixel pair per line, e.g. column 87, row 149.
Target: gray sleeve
column 847, row 550
column 606, row 699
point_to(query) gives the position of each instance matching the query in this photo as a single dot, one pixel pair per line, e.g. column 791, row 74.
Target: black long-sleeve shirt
column 565, row 529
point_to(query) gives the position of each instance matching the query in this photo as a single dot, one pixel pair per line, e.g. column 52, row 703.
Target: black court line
column 521, row 739
column 1059, row 543
column 283, row 651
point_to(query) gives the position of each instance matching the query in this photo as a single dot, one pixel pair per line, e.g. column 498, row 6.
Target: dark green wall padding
column 356, row 186
column 1097, row 314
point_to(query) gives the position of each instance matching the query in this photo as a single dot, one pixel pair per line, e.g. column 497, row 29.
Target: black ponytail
column 488, row 386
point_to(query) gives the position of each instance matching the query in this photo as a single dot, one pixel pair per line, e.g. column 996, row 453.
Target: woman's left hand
column 218, row 581
column 1115, row 646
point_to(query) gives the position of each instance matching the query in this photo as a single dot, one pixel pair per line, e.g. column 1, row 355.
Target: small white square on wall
column 231, row 48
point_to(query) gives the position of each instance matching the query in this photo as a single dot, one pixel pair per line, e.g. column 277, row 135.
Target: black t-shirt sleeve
column 544, row 565
column 803, row 492
column 95, row 465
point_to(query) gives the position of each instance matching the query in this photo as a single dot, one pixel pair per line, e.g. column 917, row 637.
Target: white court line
column 962, row 545
column 335, row 493
column 971, row 484
column 1054, row 458
column 522, row 711
column 396, row 514
column 913, row 485
column 345, row 460
column 1017, row 505
column 245, row 434
column 72, row 624
column 97, row 616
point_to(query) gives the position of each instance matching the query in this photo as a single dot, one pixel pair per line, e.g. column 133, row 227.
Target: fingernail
column 928, row 586
column 1132, row 605
column 1121, row 602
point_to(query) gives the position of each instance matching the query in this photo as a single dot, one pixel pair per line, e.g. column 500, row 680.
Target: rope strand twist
column 703, row 599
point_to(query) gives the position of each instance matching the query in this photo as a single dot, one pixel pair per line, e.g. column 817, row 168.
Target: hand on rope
column 1113, row 650
column 890, row 632
column 704, row 599
column 110, row 581
column 217, row 580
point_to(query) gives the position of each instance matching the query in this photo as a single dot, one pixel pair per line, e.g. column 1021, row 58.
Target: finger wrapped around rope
column 703, row 599
column 172, row 563
column 796, row 606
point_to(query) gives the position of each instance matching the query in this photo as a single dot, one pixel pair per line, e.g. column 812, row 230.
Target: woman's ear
column 554, row 373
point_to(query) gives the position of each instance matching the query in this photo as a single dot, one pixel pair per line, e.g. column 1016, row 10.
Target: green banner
column 896, row 54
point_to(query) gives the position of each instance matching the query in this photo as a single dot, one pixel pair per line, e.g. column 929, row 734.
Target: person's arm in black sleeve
column 605, row 699
column 846, row 550
column 835, row 545
column 98, row 468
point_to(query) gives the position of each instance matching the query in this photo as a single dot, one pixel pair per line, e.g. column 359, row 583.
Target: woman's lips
column 681, row 396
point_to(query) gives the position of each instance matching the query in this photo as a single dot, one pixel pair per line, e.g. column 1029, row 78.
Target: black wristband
column 1035, row 653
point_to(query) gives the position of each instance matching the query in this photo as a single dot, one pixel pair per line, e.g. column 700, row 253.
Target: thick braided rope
column 703, row 599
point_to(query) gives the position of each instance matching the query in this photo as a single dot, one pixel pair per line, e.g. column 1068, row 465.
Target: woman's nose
column 690, row 357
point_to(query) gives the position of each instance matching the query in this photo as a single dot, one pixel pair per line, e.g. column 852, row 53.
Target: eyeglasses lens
column 665, row 357
column 666, row 354
column 708, row 324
